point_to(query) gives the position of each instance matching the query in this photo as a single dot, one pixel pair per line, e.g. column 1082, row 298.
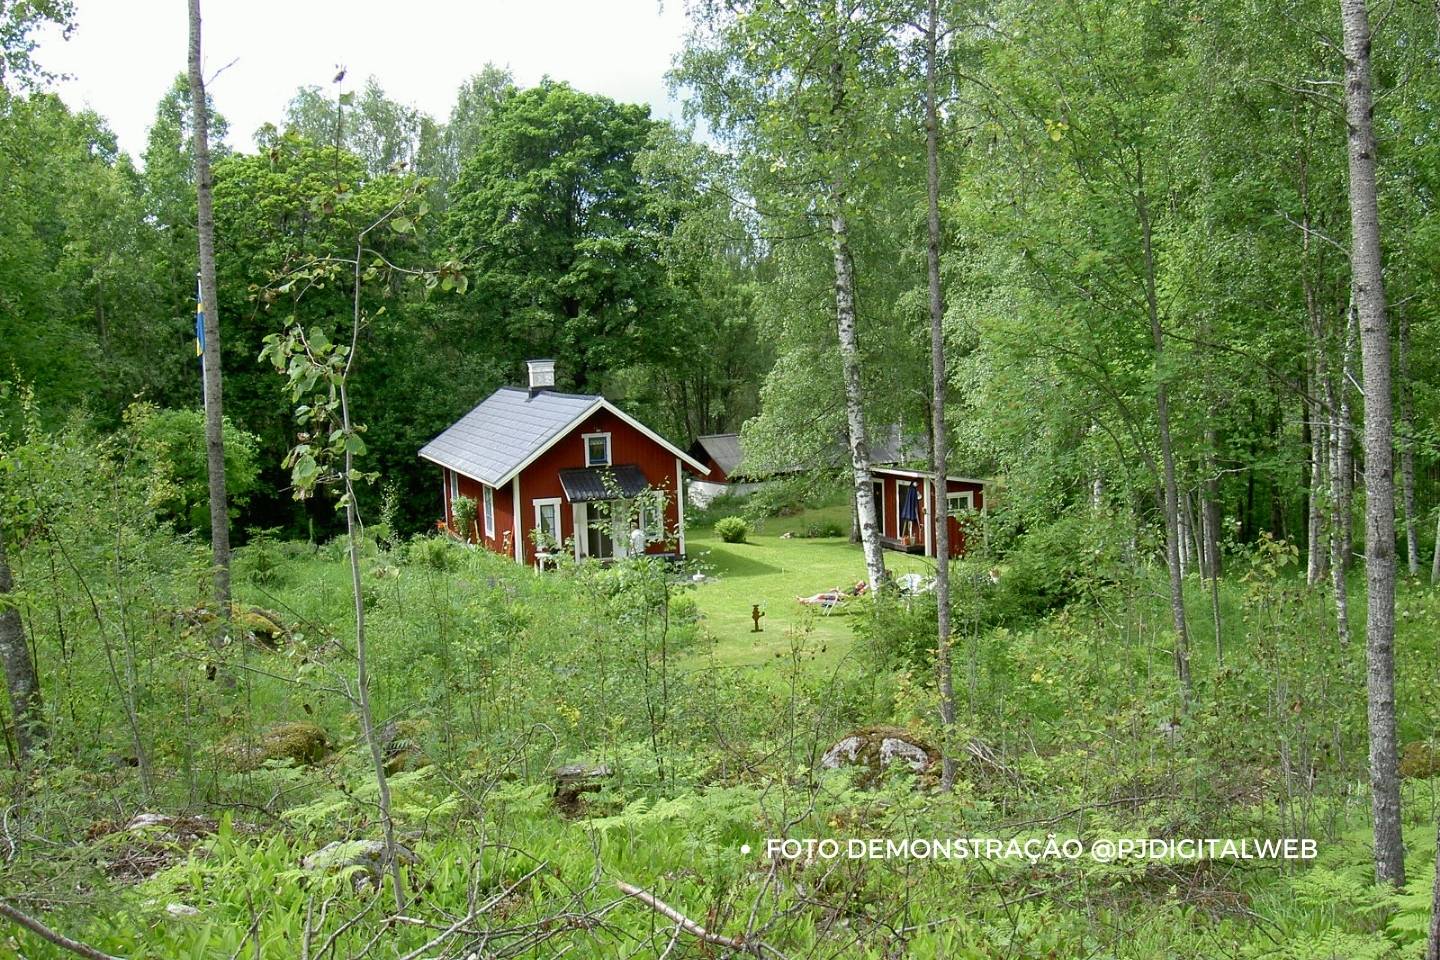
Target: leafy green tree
column 385, row 134
column 551, row 211
column 169, row 448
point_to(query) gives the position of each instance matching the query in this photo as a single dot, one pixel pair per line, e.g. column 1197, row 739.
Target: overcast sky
column 124, row 54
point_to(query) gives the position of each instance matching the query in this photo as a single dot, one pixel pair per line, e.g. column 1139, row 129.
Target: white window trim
column 519, row 544
column 559, row 523
column 487, row 499
column 951, row 496
column 585, row 439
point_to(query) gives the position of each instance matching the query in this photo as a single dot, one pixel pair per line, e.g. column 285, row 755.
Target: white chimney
column 542, row 375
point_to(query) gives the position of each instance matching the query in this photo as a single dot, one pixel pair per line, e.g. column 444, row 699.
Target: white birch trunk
column 865, row 506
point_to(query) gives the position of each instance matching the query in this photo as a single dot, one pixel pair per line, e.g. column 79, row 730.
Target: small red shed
column 905, row 506
column 572, row 472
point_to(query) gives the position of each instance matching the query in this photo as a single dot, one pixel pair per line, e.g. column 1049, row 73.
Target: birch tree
column 793, row 87
column 1365, row 265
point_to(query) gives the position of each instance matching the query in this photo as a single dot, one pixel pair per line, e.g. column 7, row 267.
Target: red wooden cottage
column 574, row 472
column 905, row 502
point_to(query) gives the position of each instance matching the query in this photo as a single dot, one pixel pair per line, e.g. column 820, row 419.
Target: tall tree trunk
column 1315, row 499
column 939, row 452
column 214, row 411
column 865, row 506
column 1435, row 558
column 1407, row 445
column 1318, row 379
column 1432, row 943
column 1167, row 453
column 1341, row 479
column 1365, row 267
column 1183, row 526
column 21, row 681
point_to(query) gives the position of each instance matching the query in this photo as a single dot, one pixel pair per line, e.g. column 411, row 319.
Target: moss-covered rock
column 879, row 749
column 1420, row 760
column 300, row 742
column 264, row 628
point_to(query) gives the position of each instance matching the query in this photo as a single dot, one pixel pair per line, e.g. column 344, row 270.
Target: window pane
column 597, row 451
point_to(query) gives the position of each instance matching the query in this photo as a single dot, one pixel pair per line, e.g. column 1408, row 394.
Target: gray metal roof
column 723, row 449
column 890, row 444
column 504, row 431
column 621, row 482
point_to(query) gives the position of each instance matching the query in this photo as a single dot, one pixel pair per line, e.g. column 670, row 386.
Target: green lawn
column 771, row 572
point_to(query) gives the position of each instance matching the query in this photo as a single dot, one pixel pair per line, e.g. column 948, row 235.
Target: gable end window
column 597, row 449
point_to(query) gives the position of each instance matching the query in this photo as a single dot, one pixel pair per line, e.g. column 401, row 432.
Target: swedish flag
column 200, row 329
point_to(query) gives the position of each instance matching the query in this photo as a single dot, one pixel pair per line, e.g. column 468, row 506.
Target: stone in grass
column 574, row 779
column 299, row 742
column 367, row 855
column 876, row 750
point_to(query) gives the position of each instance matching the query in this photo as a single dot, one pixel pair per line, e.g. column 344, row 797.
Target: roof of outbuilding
column 493, row 440
column 723, row 449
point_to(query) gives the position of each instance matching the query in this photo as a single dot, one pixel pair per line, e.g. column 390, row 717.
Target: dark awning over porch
column 623, row 482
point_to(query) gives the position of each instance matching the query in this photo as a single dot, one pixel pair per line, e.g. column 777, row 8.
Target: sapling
column 317, row 373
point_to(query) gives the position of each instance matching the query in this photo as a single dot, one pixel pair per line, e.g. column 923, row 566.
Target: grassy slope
column 772, row 571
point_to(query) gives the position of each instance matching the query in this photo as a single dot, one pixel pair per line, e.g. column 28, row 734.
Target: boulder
column 300, row 742
column 368, row 855
column 877, row 750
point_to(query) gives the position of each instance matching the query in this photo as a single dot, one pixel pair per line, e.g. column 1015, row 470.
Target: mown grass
column 770, row 571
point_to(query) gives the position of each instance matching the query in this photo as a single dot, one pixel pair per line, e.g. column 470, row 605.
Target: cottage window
column 597, row 449
column 547, row 523
column 959, row 502
column 488, row 498
column 652, row 519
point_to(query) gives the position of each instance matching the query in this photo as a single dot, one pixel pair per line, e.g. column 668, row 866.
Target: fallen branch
column 684, row 922
column 45, row 933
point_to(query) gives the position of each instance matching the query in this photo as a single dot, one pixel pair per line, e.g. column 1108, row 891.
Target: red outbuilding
column 553, row 472
column 905, row 502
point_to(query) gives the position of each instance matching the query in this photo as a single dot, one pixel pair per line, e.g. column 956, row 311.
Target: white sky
column 124, row 54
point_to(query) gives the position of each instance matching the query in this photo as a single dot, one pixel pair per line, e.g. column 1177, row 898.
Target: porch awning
column 623, row 482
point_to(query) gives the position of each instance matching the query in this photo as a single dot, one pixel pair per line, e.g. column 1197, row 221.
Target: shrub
column 436, row 553
column 825, row 528
column 732, row 529
column 168, row 448
column 464, row 510
column 260, row 561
